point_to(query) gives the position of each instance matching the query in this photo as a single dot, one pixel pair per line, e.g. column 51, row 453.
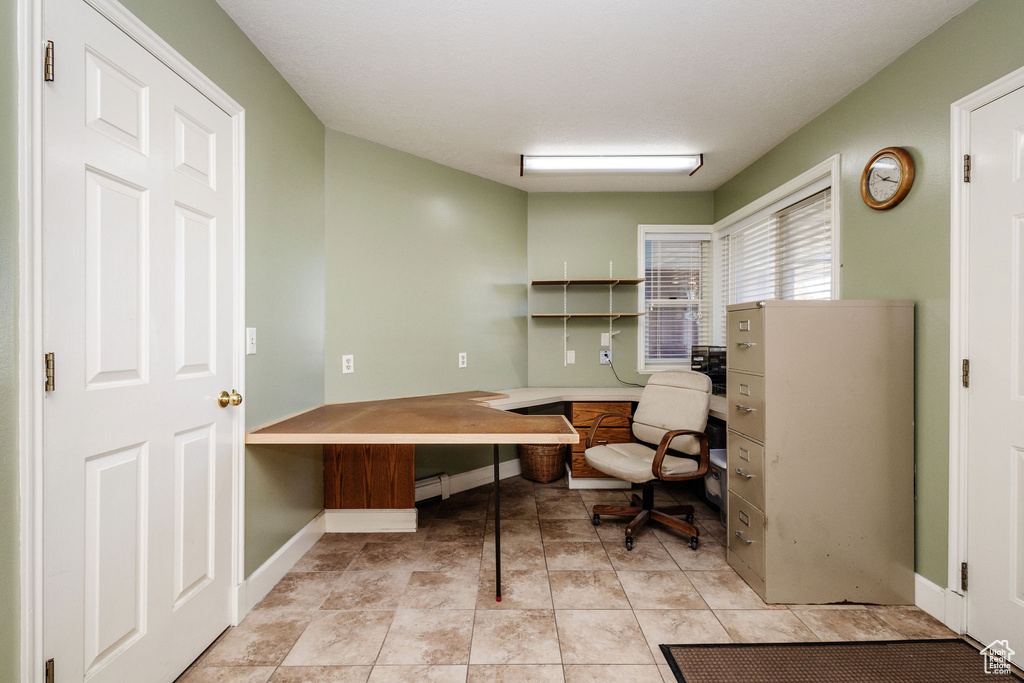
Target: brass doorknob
column 224, row 399
column 236, row 398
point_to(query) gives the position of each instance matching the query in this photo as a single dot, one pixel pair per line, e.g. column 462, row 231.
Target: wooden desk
column 369, row 447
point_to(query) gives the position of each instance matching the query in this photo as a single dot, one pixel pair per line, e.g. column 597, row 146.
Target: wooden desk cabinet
column 581, row 415
column 821, row 450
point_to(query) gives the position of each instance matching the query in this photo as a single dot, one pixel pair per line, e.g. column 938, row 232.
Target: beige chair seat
column 632, row 462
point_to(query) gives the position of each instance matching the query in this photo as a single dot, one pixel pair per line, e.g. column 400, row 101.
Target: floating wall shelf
column 607, row 281
column 610, row 316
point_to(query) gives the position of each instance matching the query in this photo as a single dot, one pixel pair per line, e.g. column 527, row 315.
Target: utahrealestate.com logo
column 997, row 657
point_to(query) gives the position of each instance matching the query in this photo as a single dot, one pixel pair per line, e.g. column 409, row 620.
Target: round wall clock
column 887, row 178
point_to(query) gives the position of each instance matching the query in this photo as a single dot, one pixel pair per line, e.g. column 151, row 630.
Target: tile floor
column 577, row 606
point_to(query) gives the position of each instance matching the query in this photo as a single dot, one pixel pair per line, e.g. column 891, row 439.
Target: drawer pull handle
column 745, row 540
column 747, row 344
column 744, row 474
column 602, row 441
column 745, row 409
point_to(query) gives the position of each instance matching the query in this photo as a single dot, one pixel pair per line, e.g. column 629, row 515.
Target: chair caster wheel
column 693, row 543
column 629, row 542
column 596, row 520
column 689, row 518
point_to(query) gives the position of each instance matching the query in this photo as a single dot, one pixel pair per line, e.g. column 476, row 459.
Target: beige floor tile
column 764, row 626
column 461, row 509
column 228, row 674
column 613, row 532
column 457, row 530
column 570, row 555
column 660, row 590
column 515, row 673
column 853, row 624
column 843, row 606
column 328, row 556
column 678, row 627
column 428, row 637
column 605, row 496
column 613, row 673
column 514, row 530
column 444, row 556
column 555, row 493
column 262, row 639
column 341, row 639
column 515, row 637
column 571, row 508
column 515, row 554
column 440, row 673
column 647, row 554
column 568, row 530
column 386, row 557
column 520, row 507
column 725, row 590
column 912, row 622
column 417, row 536
column 587, row 590
column 298, row 591
column 441, row 590
column 666, row 674
column 601, row 637
column 367, row 590
column 709, row 556
column 321, row 674
column 520, row 589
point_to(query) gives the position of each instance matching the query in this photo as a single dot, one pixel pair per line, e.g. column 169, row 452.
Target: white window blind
column 677, row 297
column 786, row 254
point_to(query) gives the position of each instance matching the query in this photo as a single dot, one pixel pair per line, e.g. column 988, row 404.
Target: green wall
column 9, row 502
column 424, row 262
column 904, row 252
column 586, row 231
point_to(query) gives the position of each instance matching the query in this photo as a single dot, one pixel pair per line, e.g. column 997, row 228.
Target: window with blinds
column 786, row 254
column 676, row 297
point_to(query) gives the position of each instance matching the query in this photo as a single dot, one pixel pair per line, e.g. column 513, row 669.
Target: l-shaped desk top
column 468, row 417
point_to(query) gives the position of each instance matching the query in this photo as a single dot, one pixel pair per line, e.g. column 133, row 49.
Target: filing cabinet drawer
column 746, row 533
column 745, row 394
column 746, row 340
column 745, row 460
column 582, row 414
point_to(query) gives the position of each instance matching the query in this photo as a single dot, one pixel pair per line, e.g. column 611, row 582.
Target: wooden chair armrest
column 597, row 422
column 659, row 456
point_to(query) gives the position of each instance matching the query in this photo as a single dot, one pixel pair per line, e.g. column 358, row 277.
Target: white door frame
column 30, row 342
column 959, row 267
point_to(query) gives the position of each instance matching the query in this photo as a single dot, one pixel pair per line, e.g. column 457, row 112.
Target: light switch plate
column 250, row 341
column 570, row 356
column 605, row 339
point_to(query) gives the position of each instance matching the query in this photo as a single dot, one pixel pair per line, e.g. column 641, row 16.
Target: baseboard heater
column 432, row 487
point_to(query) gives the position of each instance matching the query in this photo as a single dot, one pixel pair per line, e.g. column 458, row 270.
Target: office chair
column 672, row 412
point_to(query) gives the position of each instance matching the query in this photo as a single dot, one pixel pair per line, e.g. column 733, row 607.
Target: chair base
column 643, row 510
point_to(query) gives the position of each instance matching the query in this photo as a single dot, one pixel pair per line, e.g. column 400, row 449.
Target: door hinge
column 963, row 577
column 49, row 372
column 967, row 168
column 48, row 62
column 966, row 376
column 49, row 671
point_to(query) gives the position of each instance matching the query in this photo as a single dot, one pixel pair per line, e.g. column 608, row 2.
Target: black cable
column 631, row 384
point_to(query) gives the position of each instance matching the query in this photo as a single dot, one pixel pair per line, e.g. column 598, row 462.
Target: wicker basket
column 542, row 463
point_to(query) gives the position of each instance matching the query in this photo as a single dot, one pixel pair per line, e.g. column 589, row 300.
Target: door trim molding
column 959, row 270
column 29, row 29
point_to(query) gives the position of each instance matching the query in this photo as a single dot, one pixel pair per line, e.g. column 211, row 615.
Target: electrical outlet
column 462, row 359
column 605, row 339
column 348, row 364
column 570, row 356
column 606, row 356
column 250, row 341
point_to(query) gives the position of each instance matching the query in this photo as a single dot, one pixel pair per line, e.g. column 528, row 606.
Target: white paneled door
column 995, row 493
column 138, row 303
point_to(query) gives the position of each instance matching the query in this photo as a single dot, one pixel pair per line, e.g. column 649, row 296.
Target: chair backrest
column 676, row 399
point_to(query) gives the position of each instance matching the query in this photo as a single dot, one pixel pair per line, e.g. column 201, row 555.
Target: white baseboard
column 261, row 581
column 482, row 476
column 941, row 603
column 369, row 521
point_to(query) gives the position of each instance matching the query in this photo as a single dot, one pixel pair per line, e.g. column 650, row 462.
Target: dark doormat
column 901, row 661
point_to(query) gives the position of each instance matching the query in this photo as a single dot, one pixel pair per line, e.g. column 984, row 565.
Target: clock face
column 884, row 178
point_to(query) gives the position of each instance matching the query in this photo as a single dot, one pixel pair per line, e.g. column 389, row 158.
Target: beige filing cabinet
column 821, row 450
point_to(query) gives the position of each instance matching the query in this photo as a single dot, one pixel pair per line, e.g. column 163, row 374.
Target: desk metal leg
column 497, row 528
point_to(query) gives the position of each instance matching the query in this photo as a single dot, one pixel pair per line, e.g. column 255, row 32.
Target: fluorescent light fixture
column 634, row 163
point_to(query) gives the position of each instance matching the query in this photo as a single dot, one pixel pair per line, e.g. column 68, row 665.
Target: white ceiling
column 473, row 84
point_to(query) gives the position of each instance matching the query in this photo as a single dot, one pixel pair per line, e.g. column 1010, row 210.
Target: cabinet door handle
column 745, row 540
column 745, row 409
column 602, row 441
column 747, row 344
column 743, row 474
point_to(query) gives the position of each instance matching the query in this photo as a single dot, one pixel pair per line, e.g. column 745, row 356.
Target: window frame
column 704, row 232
